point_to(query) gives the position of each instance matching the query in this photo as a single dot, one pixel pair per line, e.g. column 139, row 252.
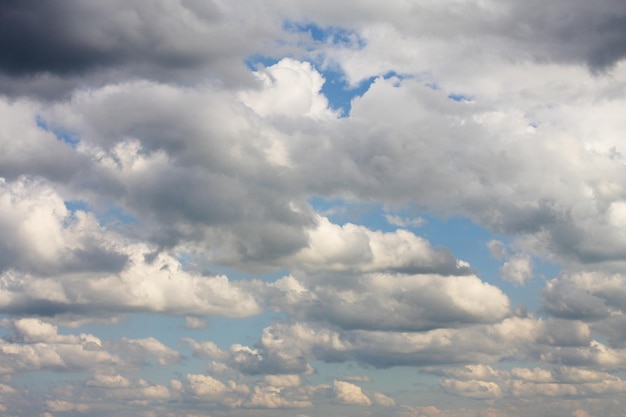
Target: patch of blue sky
column 170, row 329
column 462, row 98
column 69, row 137
column 331, row 35
column 77, row 205
column 111, row 215
column 43, row 379
column 253, row 62
column 115, row 216
column 163, row 327
column 340, row 93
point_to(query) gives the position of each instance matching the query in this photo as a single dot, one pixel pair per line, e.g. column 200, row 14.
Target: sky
column 273, row 208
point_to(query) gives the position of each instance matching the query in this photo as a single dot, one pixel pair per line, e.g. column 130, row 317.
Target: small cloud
column 517, row 269
column 194, row 323
column 382, row 400
column 357, row 378
column 404, row 221
column 346, row 393
column 497, row 249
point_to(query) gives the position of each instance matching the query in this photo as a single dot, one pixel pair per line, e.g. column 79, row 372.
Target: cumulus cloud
column 142, row 349
column 347, row 393
column 473, row 389
column 145, row 145
column 517, row 269
column 585, row 296
column 48, row 246
column 562, row 381
column 275, row 397
column 390, row 302
column 288, row 88
column 36, row 345
column 352, row 247
column 288, row 348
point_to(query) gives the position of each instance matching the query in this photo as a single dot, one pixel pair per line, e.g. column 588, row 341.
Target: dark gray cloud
column 55, row 45
column 58, row 37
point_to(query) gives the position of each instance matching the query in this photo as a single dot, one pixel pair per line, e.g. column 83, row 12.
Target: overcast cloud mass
column 215, row 208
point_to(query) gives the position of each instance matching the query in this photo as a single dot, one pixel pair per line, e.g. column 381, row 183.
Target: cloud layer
column 276, row 208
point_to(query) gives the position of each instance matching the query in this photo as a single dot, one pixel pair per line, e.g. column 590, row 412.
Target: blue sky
column 305, row 209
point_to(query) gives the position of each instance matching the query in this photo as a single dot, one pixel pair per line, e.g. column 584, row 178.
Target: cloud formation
column 225, row 207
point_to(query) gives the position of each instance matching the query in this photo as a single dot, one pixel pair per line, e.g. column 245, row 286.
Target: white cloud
column 61, row 406
column 208, row 389
column 404, row 222
column 288, row 88
column 108, row 381
column 347, row 393
column 150, row 347
column 194, row 323
column 517, row 269
column 381, row 399
column 497, row 249
column 218, row 166
column 37, row 345
column 274, row 397
column 283, row 380
column 382, row 301
column 119, row 275
column 473, row 388
column 352, row 247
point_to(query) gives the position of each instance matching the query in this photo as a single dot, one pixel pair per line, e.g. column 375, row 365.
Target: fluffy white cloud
column 274, row 397
column 194, row 323
column 381, row 399
column 206, row 387
column 143, row 349
column 517, row 269
column 108, row 381
column 36, row 345
column 347, row 393
column 288, row 88
column 60, row 261
column 382, row 301
column 473, row 388
column 357, row 248
column 562, row 381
